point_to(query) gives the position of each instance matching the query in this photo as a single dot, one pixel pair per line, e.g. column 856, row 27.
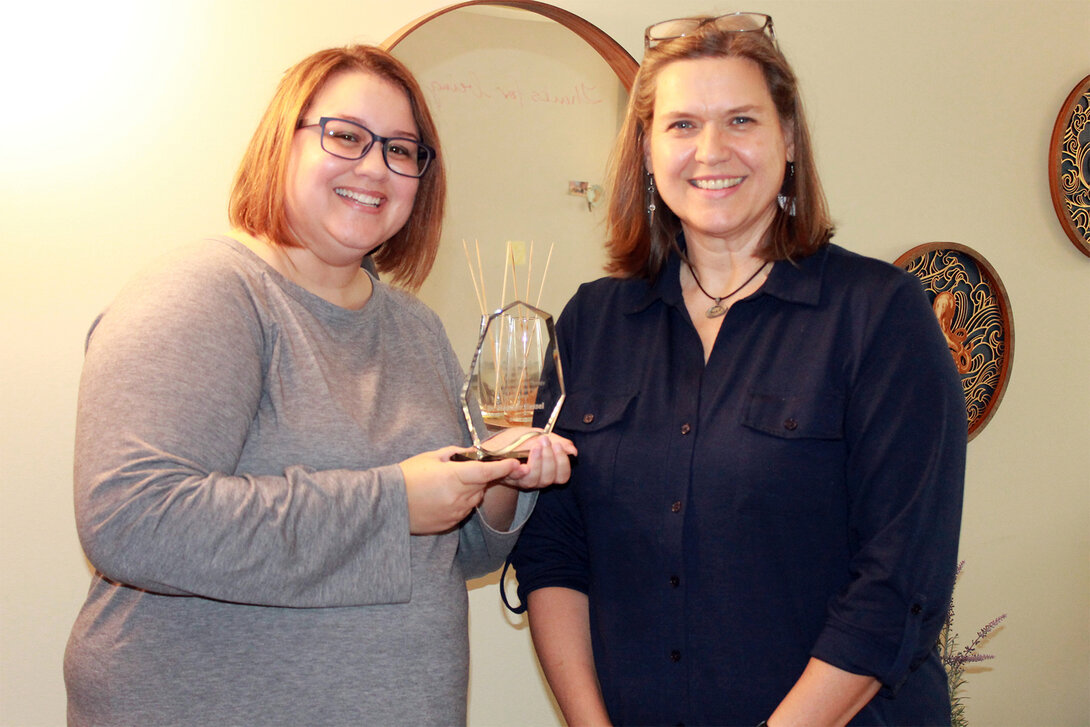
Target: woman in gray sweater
column 263, row 474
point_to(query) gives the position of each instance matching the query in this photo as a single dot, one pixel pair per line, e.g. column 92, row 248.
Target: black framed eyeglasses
column 731, row 22
column 348, row 140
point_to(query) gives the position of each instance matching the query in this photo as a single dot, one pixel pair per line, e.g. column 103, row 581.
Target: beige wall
column 122, row 126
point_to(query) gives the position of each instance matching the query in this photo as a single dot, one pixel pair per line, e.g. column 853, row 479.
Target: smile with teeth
column 714, row 184
column 357, row 197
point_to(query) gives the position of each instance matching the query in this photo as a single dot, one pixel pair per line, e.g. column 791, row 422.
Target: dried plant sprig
column 507, row 253
column 541, row 287
column 510, row 270
column 529, row 268
column 480, row 269
column 514, row 275
column 968, row 654
column 473, row 277
column 954, row 659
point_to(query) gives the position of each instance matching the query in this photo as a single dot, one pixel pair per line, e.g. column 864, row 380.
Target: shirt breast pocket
column 795, row 416
column 794, row 452
column 595, row 422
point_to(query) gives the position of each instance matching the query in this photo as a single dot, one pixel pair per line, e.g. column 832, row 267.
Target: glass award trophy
column 514, row 378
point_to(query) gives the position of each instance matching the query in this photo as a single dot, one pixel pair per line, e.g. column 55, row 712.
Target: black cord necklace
column 716, row 309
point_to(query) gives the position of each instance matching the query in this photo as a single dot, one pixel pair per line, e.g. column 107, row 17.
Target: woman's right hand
column 441, row 493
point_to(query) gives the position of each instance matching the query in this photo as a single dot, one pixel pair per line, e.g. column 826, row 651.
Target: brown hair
column 257, row 199
column 637, row 246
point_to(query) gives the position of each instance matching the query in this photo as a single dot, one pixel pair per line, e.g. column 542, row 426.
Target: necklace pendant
column 715, row 311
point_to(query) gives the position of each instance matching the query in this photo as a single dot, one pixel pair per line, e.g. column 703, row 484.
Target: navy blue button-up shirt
column 798, row 495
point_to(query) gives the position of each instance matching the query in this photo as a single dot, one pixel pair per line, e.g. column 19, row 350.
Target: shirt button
column 676, row 507
column 675, row 656
column 790, row 425
column 588, row 418
column 916, row 608
column 675, row 581
column 685, row 429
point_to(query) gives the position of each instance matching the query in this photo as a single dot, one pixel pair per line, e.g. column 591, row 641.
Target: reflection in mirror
column 524, row 108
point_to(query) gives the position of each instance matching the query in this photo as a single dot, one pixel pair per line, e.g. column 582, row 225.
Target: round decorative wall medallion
column 1069, row 166
column 974, row 313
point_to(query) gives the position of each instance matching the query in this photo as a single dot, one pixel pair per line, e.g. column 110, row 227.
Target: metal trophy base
column 480, row 455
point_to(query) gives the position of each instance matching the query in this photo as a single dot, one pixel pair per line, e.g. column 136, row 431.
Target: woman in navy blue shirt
column 764, row 521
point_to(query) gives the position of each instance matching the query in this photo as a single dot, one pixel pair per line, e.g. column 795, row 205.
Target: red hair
column 257, row 203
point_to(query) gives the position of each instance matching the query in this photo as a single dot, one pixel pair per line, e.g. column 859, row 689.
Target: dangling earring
column 788, row 186
column 650, row 200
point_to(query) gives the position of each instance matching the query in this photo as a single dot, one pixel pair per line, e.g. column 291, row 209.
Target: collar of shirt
column 793, row 281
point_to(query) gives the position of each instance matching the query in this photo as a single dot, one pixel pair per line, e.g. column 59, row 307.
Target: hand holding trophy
column 515, row 373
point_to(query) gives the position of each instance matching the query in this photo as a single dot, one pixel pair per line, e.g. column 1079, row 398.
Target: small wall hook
column 591, row 192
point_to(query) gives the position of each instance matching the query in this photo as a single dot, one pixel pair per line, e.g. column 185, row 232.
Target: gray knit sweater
column 237, row 493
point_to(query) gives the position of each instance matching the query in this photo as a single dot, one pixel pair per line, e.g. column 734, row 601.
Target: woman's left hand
column 547, row 464
column 548, row 461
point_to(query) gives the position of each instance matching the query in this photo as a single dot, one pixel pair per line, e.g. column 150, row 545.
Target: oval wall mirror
column 528, row 99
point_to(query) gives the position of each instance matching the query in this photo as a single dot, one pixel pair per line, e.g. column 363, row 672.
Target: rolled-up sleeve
column 906, row 430
column 552, row 549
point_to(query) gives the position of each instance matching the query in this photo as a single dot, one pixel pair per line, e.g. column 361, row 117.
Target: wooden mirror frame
column 623, row 64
